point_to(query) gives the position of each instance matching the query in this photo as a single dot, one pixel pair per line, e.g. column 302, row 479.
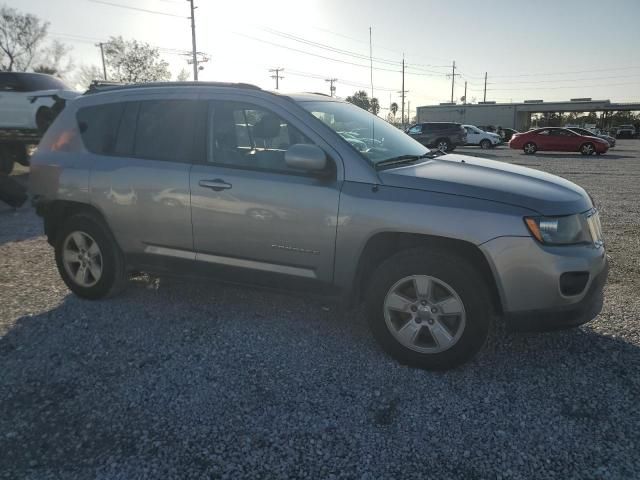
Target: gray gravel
column 177, row 379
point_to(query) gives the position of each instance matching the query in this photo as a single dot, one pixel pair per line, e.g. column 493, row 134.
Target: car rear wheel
column 587, row 149
column 10, row 154
column 530, row 148
column 443, row 144
column 88, row 258
column 428, row 309
column 485, row 144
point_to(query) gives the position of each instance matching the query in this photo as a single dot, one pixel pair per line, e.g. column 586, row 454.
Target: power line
column 144, row 10
column 312, row 54
column 566, row 86
column 565, row 80
column 560, row 73
column 351, row 83
column 93, row 40
column 341, row 51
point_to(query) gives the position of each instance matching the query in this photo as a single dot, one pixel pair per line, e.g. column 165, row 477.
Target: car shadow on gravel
column 222, row 379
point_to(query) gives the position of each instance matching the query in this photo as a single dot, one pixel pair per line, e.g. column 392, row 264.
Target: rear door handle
column 216, row 185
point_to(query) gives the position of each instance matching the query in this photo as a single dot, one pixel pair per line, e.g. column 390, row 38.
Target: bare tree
column 85, row 75
column 130, row 61
column 20, row 37
column 52, row 60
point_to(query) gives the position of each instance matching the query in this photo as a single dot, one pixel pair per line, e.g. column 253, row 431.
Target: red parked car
column 558, row 140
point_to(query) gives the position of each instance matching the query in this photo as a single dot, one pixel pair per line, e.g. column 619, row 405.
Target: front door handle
column 216, row 185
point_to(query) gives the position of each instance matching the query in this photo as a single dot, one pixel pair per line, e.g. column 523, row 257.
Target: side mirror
column 306, row 157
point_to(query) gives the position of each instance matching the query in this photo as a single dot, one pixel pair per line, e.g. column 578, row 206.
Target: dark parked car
column 585, row 132
column 507, row 133
column 444, row 136
column 558, row 140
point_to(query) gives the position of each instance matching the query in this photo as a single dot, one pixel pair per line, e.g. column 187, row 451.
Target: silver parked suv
column 242, row 184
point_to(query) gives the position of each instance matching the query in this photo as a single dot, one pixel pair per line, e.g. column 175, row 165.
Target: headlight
column 567, row 230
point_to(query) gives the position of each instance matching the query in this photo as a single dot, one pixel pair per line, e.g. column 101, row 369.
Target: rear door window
column 167, row 130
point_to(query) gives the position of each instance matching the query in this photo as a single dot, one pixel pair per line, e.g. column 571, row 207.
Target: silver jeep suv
column 230, row 181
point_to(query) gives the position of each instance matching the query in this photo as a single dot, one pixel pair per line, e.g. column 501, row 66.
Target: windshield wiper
column 402, row 159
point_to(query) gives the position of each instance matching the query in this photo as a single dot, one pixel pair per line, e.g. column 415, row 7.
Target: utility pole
column 485, row 87
column 193, row 41
column 277, row 75
column 332, row 89
column 371, row 61
column 465, row 92
column 104, row 67
column 453, row 78
column 402, row 93
column 409, row 111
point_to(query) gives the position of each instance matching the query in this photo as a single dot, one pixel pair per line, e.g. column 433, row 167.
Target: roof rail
column 318, row 93
column 104, row 86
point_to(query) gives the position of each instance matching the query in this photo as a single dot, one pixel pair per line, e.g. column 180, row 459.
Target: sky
column 530, row 49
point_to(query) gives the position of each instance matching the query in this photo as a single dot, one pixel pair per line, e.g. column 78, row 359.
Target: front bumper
column 528, row 280
column 602, row 148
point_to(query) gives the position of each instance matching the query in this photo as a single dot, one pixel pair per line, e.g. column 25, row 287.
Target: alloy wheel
column 424, row 314
column 82, row 259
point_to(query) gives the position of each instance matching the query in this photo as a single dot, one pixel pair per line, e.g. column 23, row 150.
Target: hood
column 492, row 180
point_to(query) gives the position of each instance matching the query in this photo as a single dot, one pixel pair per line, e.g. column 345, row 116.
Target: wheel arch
column 383, row 245
column 56, row 211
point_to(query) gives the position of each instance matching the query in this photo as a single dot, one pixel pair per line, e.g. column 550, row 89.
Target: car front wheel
column 443, row 145
column 587, row 149
column 485, row 144
column 530, row 148
column 428, row 309
column 88, row 258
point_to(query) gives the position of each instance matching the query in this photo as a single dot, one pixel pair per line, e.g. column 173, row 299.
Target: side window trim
column 314, row 129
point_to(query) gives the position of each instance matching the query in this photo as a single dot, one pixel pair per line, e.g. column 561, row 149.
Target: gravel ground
column 177, row 379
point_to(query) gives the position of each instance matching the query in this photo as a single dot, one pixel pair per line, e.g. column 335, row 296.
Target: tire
column 465, row 291
column 443, row 144
column 485, row 144
column 530, row 148
column 587, row 149
column 10, row 154
column 44, row 118
column 112, row 278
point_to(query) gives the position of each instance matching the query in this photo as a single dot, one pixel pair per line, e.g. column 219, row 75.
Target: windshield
column 375, row 139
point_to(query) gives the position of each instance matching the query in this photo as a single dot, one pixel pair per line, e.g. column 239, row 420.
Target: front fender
column 367, row 210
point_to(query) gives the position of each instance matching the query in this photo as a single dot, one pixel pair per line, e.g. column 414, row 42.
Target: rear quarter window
column 98, row 127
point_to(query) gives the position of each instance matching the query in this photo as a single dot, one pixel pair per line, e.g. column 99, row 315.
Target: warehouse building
column 515, row 115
